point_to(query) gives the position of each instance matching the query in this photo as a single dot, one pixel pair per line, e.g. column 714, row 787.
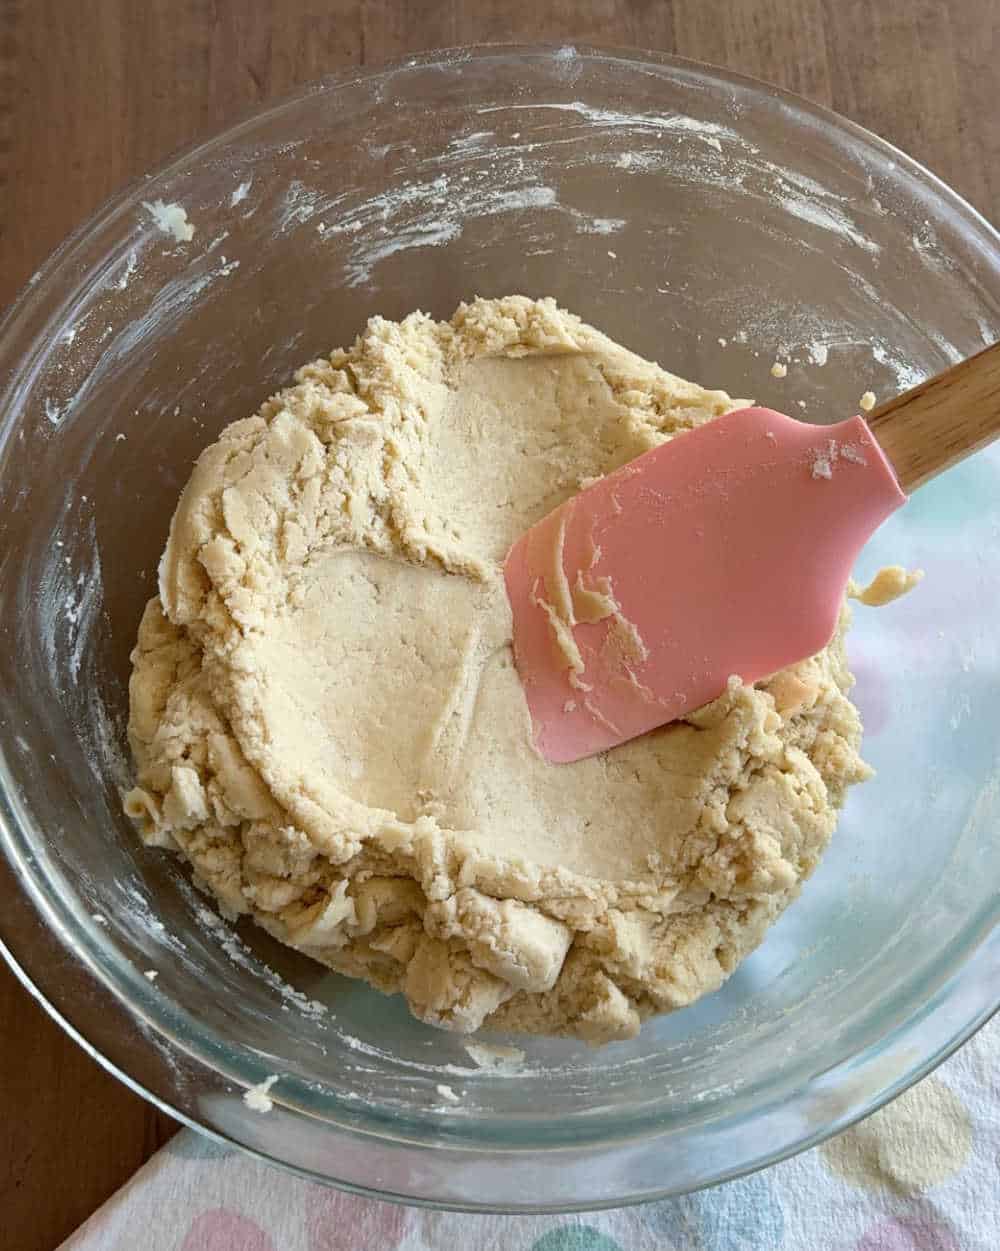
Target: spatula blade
column 725, row 551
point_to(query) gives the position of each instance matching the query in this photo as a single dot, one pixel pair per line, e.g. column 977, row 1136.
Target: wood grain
column 96, row 92
column 938, row 423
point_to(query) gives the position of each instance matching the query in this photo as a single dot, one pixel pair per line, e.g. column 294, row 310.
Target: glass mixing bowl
column 704, row 220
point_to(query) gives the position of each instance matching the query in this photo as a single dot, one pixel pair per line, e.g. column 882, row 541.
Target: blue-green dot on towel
column 742, row 1215
column 576, row 1238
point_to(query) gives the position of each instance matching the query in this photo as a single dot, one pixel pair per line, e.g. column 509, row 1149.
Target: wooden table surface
column 95, row 92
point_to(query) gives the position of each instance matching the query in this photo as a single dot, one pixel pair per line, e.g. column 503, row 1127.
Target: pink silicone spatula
column 725, row 551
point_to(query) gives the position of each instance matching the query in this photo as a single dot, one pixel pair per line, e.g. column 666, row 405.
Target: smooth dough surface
column 327, row 721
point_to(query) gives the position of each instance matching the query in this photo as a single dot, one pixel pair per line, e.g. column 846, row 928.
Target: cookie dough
column 888, row 584
column 328, row 725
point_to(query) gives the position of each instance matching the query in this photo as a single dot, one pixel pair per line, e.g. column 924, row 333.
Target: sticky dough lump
column 327, row 722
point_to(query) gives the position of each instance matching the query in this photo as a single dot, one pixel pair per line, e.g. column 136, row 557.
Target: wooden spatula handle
column 941, row 421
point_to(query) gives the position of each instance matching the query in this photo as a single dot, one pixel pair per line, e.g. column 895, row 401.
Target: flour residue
column 802, row 334
column 928, row 249
column 464, row 144
column 170, row 219
column 818, row 353
column 433, row 212
column 824, row 460
column 430, row 236
column 128, row 269
column 495, row 1058
column 72, row 598
column 614, row 119
column 241, row 955
column 822, row 464
column 487, row 173
column 299, row 204
column 729, row 163
column 905, row 374
column 82, row 608
column 599, row 225
column 827, row 217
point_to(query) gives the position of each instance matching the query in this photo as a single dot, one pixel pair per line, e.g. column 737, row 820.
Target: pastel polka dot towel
column 923, row 1174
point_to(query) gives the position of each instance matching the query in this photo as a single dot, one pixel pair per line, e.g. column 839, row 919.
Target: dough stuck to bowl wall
column 327, row 722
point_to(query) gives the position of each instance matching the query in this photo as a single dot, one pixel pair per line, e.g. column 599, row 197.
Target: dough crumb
column 495, row 1057
column 818, row 353
column 778, row 370
column 888, row 584
column 170, row 219
column 257, row 1097
column 867, row 401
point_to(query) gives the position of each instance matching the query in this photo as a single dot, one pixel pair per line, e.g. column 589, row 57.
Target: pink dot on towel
column 221, row 1229
column 909, row 1234
column 335, row 1221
